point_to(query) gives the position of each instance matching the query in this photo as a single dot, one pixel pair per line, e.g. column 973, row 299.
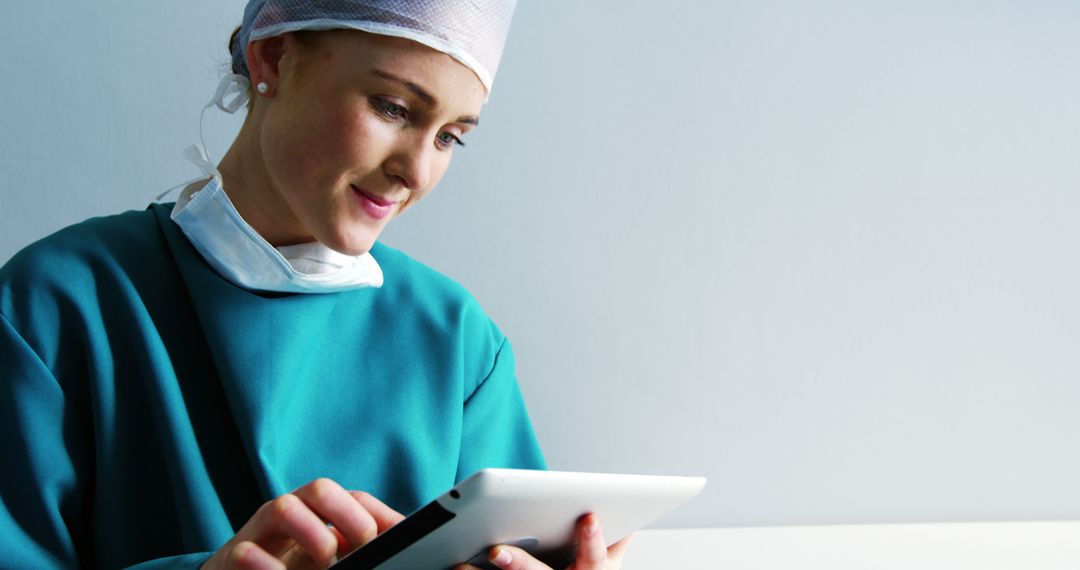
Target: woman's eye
column 390, row 109
column 446, row 140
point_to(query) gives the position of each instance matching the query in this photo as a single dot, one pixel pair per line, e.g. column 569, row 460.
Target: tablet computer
column 533, row 510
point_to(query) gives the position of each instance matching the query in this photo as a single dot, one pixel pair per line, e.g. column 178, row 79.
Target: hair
column 238, row 65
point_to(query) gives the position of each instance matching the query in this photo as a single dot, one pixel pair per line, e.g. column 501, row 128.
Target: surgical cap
column 471, row 31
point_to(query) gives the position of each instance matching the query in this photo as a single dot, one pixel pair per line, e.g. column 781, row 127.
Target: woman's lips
column 376, row 206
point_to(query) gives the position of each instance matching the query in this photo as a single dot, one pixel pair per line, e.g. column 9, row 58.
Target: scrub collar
column 237, row 252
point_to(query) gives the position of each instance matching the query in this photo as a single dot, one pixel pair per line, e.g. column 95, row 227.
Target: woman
column 241, row 358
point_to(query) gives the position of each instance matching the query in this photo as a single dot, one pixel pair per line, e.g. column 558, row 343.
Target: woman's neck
column 249, row 187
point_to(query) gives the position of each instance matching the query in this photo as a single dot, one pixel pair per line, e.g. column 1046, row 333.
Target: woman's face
column 359, row 128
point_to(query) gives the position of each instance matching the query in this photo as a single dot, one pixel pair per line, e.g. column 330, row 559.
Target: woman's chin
column 352, row 244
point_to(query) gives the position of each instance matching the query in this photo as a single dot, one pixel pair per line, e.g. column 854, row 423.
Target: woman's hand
column 308, row 528
column 592, row 553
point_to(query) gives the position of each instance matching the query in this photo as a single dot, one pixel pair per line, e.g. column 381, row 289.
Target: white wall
column 823, row 253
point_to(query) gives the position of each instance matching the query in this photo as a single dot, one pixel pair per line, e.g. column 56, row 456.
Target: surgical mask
column 236, row 251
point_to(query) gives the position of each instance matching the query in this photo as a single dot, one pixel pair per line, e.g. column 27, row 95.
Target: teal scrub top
column 148, row 407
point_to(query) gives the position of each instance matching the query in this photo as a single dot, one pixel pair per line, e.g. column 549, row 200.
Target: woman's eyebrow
column 421, row 94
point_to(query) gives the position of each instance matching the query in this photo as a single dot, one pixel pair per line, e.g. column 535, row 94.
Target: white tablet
column 534, row 510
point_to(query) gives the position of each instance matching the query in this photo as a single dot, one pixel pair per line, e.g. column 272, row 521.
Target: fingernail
column 333, row 561
column 502, row 558
column 592, row 527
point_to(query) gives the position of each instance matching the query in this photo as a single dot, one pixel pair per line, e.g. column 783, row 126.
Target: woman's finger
column 616, row 551
column 247, row 555
column 334, row 505
column 288, row 519
column 592, row 550
column 384, row 516
column 344, row 546
column 315, row 524
column 513, row 558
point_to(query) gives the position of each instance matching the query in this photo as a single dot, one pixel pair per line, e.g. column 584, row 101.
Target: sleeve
column 44, row 448
column 496, row 431
column 38, row 488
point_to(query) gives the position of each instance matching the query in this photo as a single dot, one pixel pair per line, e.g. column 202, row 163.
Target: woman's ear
column 264, row 59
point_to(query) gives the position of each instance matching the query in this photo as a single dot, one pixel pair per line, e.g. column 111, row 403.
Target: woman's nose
column 410, row 161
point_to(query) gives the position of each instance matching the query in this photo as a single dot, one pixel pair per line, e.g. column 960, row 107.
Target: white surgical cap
column 471, row 31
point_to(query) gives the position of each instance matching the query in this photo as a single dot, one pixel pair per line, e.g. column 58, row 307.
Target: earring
column 262, row 88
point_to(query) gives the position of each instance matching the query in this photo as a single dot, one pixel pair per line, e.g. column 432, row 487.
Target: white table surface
column 982, row 546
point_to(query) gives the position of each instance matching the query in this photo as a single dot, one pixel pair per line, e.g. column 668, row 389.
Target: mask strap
column 232, row 85
column 232, row 94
